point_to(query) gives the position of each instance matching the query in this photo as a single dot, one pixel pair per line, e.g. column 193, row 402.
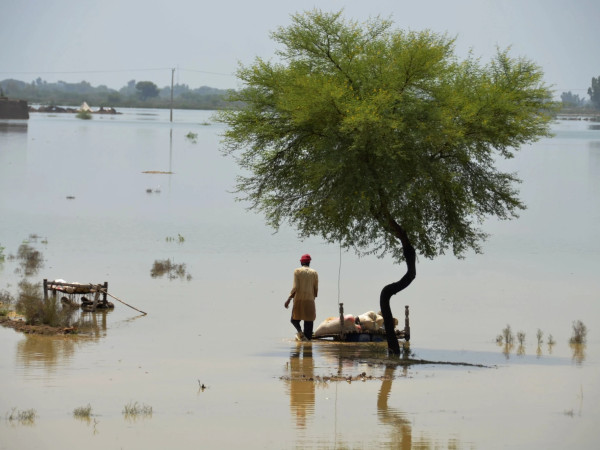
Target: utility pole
column 172, row 77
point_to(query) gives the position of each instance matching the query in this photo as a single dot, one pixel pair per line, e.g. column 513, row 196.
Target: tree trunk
column 392, row 289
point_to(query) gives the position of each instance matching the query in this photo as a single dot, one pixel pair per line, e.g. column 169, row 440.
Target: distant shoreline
column 591, row 117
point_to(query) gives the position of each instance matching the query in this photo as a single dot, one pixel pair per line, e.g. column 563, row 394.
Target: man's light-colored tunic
column 306, row 286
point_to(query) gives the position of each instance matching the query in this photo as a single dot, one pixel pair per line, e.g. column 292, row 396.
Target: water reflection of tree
column 578, row 352
column 301, row 391
column 401, row 427
column 53, row 351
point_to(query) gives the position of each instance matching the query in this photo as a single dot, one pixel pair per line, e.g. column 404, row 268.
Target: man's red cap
column 305, row 258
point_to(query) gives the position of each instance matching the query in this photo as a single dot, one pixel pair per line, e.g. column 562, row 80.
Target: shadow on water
column 13, row 126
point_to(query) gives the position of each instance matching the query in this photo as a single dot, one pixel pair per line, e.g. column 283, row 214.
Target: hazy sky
column 113, row 41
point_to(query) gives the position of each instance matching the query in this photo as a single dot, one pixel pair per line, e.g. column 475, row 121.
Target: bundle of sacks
column 331, row 325
column 369, row 321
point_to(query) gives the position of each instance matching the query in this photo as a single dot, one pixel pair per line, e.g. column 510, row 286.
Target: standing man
column 306, row 286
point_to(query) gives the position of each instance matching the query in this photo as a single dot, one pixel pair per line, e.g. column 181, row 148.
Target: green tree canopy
column 594, row 92
column 382, row 139
column 146, row 89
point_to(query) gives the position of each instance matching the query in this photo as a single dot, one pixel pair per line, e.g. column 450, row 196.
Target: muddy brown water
column 225, row 327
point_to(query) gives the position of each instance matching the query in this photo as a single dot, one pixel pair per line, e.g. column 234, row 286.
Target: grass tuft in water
column 539, row 335
column 25, row 417
column 579, row 335
column 170, row 269
column 83, row 412
column 508, row 335
column 135, row 409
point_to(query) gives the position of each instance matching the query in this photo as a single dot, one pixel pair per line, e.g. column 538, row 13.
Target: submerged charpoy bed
column 367, row 327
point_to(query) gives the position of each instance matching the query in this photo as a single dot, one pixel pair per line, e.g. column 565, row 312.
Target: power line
column 211, row 73
column 86, row 71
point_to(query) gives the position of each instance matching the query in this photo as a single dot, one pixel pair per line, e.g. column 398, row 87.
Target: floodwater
column 224, row 325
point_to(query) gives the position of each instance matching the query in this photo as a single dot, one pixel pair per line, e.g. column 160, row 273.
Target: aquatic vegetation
column 83, row 412
column 579, row 335
column 171, row 270
column 2, row 253
column 31, row 260
column 25, row 417
column 192, row 137
column 539, row 335
column 6, row 300
column 551, row 340
column 508, row 335
column 521, row 338
column 37, row 311
column 84, row 115
column 179, row 238
column 134, row 409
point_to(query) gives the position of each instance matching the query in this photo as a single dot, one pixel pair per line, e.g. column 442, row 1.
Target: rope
column 339, row 273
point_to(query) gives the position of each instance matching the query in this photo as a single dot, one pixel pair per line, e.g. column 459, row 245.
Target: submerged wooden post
column 96, row 296
column 104, row 299
column 45, row 289
column 341, row 321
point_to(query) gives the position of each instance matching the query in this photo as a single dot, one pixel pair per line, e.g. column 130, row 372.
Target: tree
column 594, row 92
column 570, row 99
column 146, row 90
column 382, row 140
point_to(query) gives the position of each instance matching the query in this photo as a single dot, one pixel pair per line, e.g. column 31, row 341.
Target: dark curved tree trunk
column 393, row 288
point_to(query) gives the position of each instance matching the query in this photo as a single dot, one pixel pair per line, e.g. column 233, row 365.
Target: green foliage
column 569, row 99
column 73, row 94
column 6, row 300
column 594, row 92
column 37, row 311
column 84, row 115
column 193, row 137
column 146, row 90
column 360, row 128
column 2, row 257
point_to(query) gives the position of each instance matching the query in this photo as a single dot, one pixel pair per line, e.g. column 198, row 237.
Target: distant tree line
column 148, row 95
column 134, row 94
column 574, row 101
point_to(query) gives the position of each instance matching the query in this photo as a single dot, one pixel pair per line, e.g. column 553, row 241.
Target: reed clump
column 83, row 412
column 134, row 409
column 25, row 417
column 579, row 335
column 170, row 269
